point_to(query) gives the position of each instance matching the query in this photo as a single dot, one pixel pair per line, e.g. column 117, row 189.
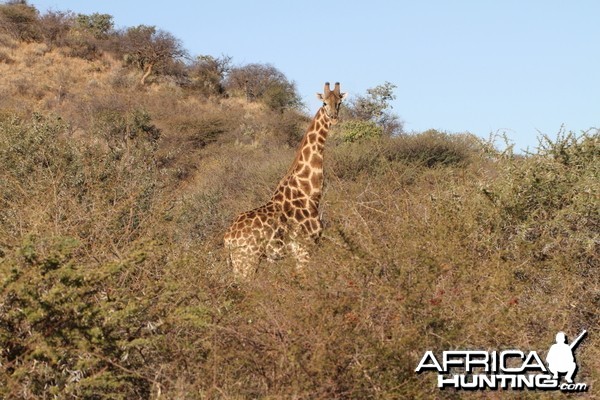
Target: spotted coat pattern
column 290, row 221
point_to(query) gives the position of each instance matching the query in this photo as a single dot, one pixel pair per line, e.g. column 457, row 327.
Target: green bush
column 357, row 130
column 543, row 185
column 549, row 201
column 29, row 150
column 119, row 128
column 96, row 24
column 63, row 328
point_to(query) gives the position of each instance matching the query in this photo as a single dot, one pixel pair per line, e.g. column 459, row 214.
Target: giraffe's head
column 332, row 99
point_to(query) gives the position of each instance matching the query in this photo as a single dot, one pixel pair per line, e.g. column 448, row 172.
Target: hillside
column 115, row 192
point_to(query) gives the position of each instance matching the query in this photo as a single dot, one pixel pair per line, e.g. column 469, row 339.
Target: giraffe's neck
column 306, row 172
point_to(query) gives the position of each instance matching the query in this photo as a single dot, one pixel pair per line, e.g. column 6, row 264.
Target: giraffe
column 289, row 222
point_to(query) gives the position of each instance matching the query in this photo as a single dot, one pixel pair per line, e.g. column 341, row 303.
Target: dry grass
column 114, row 197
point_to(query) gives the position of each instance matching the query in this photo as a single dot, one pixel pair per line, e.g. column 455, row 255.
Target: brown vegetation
column 114, row 197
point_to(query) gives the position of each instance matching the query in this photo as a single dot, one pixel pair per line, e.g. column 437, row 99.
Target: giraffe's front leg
column 243, row 262
column 300, row 253
column 242, row 258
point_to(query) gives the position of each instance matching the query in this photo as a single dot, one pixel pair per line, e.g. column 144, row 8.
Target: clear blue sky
column 514, row 66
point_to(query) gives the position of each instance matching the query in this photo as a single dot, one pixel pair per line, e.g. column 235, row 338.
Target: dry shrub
column 113, row 280
column 432, row 148
column 376, row 155
column 7, row 42
column 20, row 21
column 286, row 127
column 120, row 276
column 55, row 26
column 5, row 58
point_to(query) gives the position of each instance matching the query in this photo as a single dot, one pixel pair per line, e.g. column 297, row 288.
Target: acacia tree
column 375, row 107
column 369, row 116
column 151, row 49
column 207, row 74
column 96, row 24
column 265, row 83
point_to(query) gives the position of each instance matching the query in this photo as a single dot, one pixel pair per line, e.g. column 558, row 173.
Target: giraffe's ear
column 343, row 96
column 320, row 96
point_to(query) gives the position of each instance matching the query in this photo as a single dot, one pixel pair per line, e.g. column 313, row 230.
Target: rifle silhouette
column 577, row 340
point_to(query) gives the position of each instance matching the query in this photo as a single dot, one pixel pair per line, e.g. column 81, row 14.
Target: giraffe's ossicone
column 289, row 222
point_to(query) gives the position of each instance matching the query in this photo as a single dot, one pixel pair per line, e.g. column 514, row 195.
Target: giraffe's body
column 290, row 221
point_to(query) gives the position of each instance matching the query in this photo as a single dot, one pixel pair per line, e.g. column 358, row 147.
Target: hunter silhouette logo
column 560, row 357
column 508, row 369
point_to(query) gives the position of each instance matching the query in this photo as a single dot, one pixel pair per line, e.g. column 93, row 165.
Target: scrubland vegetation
column 123, row 160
